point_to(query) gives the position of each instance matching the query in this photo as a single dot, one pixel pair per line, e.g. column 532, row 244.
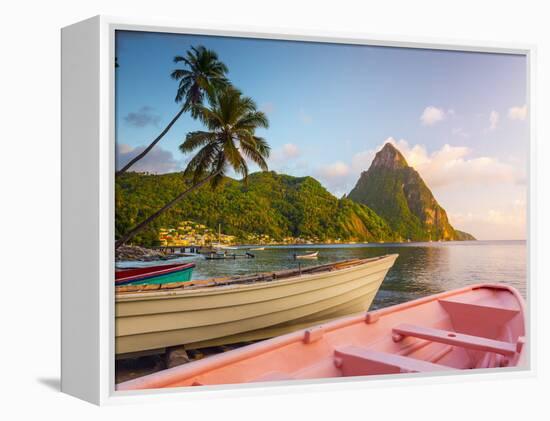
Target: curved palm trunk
column 151, row 145
column 130, row 234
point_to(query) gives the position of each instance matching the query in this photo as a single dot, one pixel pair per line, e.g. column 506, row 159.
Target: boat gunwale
column 264, row 300
column 177, row 374
column 236, row 286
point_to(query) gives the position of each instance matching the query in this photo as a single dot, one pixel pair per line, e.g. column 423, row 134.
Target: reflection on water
column 421, row 269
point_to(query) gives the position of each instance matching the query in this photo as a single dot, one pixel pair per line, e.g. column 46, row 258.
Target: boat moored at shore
column 161, row 274
column 475, row 327
column 230, row 310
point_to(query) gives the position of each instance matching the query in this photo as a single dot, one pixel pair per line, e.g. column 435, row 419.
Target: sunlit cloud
column 449, row 165
column 287, row 152
column 455, row 165
column 335, row 170
column 509, row 222
column 335, row 177
column 517, row 113
column 287, row 159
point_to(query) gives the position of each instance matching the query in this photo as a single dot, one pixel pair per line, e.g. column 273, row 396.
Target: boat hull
column 155, row 275
column 235, row 313
column 477, row 327
column 307, row 256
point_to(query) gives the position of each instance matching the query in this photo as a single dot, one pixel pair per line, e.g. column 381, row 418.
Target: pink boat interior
column 480, row 326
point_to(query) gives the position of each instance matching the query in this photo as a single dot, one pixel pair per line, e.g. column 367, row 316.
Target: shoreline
column 156, row 253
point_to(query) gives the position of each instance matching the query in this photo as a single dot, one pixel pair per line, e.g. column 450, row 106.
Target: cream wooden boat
column 222, row 311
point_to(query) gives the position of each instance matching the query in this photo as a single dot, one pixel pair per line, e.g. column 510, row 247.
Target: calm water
column 421, row 269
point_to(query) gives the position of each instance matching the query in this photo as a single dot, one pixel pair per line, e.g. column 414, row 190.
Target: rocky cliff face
column 397, row 193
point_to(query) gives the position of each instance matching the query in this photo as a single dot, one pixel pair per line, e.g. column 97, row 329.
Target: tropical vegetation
column 268, row 204
column 230, row 141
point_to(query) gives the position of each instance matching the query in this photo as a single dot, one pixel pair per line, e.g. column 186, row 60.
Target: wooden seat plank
column 357, row 361
column 454, row 338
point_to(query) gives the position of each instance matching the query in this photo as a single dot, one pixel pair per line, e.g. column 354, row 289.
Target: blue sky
column 459, row 118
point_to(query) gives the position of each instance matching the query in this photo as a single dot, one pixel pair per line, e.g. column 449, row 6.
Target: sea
column 421, row 269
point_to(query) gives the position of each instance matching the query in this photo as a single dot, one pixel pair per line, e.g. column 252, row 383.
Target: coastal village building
column 190, row 233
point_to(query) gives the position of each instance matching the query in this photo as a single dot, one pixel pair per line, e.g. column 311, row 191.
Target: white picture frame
column 88, row 165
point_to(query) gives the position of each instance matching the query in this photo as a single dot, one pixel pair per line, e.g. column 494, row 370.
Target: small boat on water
column 312, row 255
column 154, row 274
column 258, row 249
column 230, row 310
column 476, row 327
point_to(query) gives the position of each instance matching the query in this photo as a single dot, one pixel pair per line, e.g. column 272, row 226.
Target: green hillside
column 271, row 204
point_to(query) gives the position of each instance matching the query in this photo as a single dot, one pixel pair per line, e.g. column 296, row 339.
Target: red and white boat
column 476, row 327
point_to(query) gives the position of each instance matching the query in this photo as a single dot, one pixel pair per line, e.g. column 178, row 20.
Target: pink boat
column 479, row 326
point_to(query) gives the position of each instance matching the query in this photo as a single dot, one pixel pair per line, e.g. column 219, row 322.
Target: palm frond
column 255, row 149
column 253, row 120
column 229, row 141
column 202, row 163
column 203, row 74
column 197, row 139
column 178, row 74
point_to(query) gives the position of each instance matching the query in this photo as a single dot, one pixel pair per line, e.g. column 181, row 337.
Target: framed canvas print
column 249, row 210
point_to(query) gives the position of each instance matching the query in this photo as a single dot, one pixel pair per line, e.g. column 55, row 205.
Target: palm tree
column 203, row 75
column 229, row 141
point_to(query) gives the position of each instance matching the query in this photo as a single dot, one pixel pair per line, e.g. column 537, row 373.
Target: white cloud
column 507, row 222
column 445, row 167
column 431, row 115
column 494, row 117
column 336, row 170
column 361, row 161
column 335, row 177
column 453, row 165
column 157, row 161
column 287, row 152
column 517, row 113
column 286, row 159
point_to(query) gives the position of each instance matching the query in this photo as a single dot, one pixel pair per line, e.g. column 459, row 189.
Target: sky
column 459, row 118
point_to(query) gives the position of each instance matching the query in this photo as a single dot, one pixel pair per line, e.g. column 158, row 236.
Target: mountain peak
column 389, row 157
column 396, row 192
